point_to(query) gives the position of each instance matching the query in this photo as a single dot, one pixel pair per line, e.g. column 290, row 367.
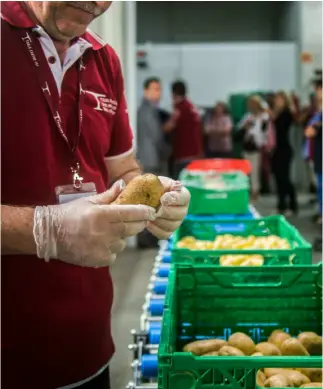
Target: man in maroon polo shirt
column 186, row 127
column 65, row 138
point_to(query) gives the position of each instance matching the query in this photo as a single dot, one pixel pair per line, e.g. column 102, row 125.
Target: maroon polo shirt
column 56, row 318
column 187, row 141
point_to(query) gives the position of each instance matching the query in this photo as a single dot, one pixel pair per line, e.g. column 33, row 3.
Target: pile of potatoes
column 235, row 242
column 279, row 343
column 232, row 242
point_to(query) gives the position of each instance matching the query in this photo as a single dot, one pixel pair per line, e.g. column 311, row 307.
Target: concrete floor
column 131, row 274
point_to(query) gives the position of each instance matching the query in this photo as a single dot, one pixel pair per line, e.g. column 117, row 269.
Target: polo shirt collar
column 13, row 13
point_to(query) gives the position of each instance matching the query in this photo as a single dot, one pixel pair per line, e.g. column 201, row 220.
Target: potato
column 312, row 342
column 293, row 346
column 146, row 189
column 314, row 374
column 278, row 337
column 297, row 378
column 243, row 342
column 313, row 385
column 205, row 346
column 257, row 354
column 230, row 351
column 260, row 378
column 267, row 348
column 278, row 381
column 211, row 354
column 270, row 371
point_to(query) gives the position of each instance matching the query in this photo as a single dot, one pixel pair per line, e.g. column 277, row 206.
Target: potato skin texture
column 313, row 385
column 146, row 190
column 278, row 337
column 230, row 351
column 312, row 342
column 260, row 378
column 314, row 374
column 242, row 342
column 293, row 347
column 202, row 347
column 211, row 354
column 267, row 348
column 278, row 381
column 270, row 371
column 297, row 378
column 257, row 354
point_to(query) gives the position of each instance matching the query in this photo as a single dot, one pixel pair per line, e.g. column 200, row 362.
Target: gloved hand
column 173, row 209
column 88, row 231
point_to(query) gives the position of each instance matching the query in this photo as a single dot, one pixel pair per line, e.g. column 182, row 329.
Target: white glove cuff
column 44, row 232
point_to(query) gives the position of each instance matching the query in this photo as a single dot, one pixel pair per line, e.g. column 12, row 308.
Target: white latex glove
column 88, row 231
column 173, row 209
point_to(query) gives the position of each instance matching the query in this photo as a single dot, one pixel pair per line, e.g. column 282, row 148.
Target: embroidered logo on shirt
column 103, row 103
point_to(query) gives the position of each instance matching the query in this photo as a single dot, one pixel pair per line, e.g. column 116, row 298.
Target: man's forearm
column 17, row 230
column 130, row 175
column 125, row 168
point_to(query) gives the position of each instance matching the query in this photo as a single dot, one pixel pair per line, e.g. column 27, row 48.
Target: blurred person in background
column 282, row 156
column 308, row 144
column 253, row 131
column 164, row 117
column 152, row 149
column 218, row 128
column 314, row 131
column 186, row 127
column 270, row 100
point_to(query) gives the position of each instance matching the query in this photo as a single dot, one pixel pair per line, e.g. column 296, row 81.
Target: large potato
column 257, row 354
column 211, row 354
column 260, row 378
column 293, row 346
column 230, row 351
column 297, row 378
column 314, row 374
column 313, row 385
column 146, row 189
column 243, row 342
column 267, row 348
column 270, row 371
column 278, row 337
column 205, row 346
column 312, row 342
column 278, row 381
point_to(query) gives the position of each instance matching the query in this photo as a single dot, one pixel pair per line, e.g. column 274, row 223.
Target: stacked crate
column 199, row 291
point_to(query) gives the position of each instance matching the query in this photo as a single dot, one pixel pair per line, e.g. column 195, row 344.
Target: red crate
column 220, row 165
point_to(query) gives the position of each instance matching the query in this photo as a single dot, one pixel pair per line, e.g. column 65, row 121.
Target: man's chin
column 69, row 31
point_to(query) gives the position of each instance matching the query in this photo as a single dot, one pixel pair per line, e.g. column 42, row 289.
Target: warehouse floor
column 131, row 274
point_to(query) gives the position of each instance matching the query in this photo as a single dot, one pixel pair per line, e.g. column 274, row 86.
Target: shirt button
column 52, row 60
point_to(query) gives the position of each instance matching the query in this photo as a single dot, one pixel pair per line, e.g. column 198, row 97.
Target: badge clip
column 77, row 179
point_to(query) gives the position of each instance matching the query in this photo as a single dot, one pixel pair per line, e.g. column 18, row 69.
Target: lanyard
column 36, row 55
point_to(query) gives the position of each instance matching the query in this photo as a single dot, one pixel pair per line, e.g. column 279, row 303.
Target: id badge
column 67, row 193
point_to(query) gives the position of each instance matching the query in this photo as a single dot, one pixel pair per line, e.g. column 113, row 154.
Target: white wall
column 310, row 41
column 198, row 21
column 214, row 71
column 110, row 27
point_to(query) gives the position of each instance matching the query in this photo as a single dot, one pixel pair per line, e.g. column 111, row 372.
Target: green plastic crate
column 299, row 253
column 207, row 302
column 233, row 198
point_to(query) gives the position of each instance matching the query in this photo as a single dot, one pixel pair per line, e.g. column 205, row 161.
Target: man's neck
column 61, row 46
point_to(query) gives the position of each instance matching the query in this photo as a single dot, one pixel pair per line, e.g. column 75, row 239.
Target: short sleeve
column 122, row 135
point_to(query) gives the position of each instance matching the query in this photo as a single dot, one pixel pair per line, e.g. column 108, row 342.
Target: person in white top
column 253, row 130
